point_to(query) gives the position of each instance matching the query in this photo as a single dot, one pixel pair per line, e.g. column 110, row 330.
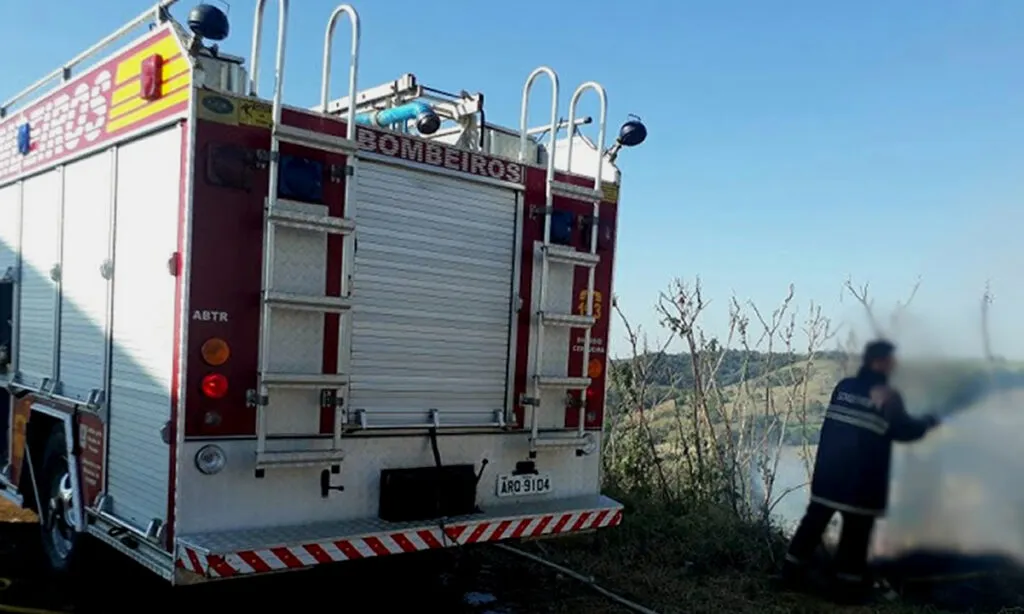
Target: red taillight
column 215, row 386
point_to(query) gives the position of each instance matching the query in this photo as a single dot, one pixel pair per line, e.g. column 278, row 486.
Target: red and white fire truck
column 242, row 337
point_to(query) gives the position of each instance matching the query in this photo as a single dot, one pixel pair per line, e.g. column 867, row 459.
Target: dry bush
column 726, row 439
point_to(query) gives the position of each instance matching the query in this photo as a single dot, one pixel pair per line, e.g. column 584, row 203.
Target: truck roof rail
column 157, row 13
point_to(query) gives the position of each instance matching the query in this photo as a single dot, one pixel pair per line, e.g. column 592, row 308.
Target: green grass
column 692, row 561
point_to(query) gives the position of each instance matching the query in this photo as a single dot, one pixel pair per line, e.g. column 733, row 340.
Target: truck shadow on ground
column 448, row 581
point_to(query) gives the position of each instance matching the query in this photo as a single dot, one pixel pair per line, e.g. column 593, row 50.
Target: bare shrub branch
column 715, row 429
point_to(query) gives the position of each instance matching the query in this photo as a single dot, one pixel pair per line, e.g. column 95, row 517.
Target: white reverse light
column 210, row 459
column 589, row 444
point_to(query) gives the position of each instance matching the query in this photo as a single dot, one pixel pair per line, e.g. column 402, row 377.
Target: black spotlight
column 428, row 123
column 631, row 134
column 209, row 22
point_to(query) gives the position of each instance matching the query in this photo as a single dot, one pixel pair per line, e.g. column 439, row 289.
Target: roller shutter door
column 432, row 289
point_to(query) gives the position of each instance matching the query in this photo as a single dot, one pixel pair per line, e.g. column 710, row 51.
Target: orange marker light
column 215, row 352
column 215, row 386
column 595, row 368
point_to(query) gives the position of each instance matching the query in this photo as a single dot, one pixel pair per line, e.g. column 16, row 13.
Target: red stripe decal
column 541, row 526
column 180, row 564
column 579, row 524
column 318, row 553
column 253, row 560
column 454, row 533
column 521, row 528
column 220, row 566
column 477, row 532
column 560, row 525
column 176, row 372
column 348, row 550
column 377, row 546
column 288, row 558
column 194, row 559
column 404, row 543
column 429, row 539
column 505, row 524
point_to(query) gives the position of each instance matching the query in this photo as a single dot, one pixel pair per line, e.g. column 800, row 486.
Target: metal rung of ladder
column 561, row 441
column 280, row 212
column 311, row 458
column 305, row 380
column 308, row 221
column 568, row 190
column 567, row 320
column 317, row 140
column 567, row 255
column 559, row 381
column 303, row 302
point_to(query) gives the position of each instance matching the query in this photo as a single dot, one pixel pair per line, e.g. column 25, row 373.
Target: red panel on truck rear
column 533, row 231
column 227, row 250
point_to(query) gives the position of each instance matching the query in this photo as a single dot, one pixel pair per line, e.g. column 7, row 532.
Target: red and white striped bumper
column 236, row 553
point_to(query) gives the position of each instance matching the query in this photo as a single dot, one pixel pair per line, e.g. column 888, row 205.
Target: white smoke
column 962, row 488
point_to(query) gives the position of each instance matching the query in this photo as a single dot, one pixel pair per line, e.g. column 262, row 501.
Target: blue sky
column 798, row 141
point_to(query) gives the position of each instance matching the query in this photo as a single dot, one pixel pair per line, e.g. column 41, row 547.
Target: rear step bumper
column 253, row 551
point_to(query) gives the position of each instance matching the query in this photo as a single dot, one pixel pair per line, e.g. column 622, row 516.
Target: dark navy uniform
column 851, row 471
column 864, row 417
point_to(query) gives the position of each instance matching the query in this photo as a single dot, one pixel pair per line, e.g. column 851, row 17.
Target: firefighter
column 851, row 472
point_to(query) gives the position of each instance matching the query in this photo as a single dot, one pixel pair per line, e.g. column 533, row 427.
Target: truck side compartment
column 90, row 211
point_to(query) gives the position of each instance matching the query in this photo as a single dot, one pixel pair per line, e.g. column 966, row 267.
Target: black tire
column 63, row 547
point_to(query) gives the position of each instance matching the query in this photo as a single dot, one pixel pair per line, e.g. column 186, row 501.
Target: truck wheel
column 58, row 510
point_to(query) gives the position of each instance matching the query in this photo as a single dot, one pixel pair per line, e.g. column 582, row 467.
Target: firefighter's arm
column 902, row 426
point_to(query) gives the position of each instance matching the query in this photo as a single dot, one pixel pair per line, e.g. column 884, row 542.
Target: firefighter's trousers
column 852, row 554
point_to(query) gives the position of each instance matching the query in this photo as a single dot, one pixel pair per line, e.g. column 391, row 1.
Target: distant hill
column 798, row 391
column 677, row 369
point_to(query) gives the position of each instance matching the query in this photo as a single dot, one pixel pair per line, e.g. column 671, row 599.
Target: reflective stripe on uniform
column 842, row 507
column 861, row 419
column 854, row 399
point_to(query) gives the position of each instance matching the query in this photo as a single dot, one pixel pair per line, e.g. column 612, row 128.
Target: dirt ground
column 474, row 581
column 482, row 580
column 12, row 513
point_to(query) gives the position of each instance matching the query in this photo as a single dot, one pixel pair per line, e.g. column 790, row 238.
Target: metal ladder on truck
column 558, row 254
column 274, row 216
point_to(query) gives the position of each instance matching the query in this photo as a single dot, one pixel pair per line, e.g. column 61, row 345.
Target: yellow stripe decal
column 137, row 102
column 131, row 66
column 171, row 69
column 150, row 109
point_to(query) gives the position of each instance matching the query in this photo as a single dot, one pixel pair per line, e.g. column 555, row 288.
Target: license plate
column 527, row 484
